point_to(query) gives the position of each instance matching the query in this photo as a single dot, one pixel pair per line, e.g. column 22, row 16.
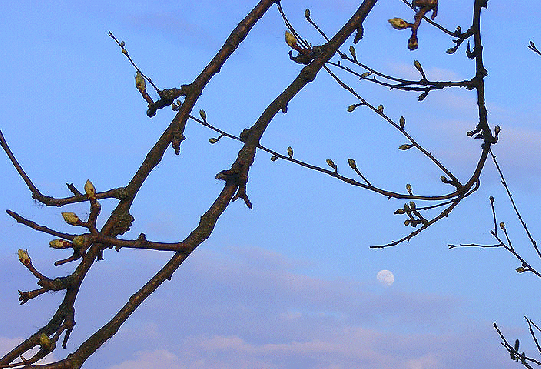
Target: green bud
column 352, row 164
column 202, row 114
column 79, row 241
column 90, row 189
column 70, row 218
column 140, row 82
column 398, row 23
column 23, row 256
column 405, row 146
column 331, row 164
column 290, row 151
column 60, row 244
column 352, row 52
column 408, row 188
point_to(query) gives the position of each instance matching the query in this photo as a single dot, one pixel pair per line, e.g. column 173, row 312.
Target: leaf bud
column 213, row 140
column 352, row 52
column 71, row 218
column 352, row 164
column 90, row 189
column 402, row 122
column 398, row 23
column 274, row 158
column 502, row 225
column 520, row 269
column 140, row 82
column 202, row 114
column 380, row 109
column 405, row 146
column 331, row 164
column 23, row 256
column 307, row 13
column 352, row 107
column 290, row 151
column 365, row 74
column 79, row 241
column 412, row 205
column 408, row 188
column 60, row 244
column 291, row 40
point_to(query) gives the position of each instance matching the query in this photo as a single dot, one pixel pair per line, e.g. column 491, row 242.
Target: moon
column 385, row 277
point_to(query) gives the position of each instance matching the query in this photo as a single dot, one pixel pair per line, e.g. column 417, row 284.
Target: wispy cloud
column 264, row 314
column 350, row 347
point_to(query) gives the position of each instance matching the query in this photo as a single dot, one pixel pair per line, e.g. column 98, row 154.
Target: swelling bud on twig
column 60, row 244
column 418, row 66
column 71, row 218
column 140, row 82
column 203, row 115
column 331, row 164
column 79, row 241
column 353, row 52
column 90, row 190
column 24, row 257
column 352, row 164
column 398, row 23
column 353, row 107
column 290, row 151
column 402, row 122
column 291, row 40
column 405, row 146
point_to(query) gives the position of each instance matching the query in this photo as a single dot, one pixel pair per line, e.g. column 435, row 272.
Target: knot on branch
column 239, row 179
column 305, row 55
column 167, row 97
column 122, row 224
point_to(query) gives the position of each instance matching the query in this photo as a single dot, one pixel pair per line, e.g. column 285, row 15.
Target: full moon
column 386, row 277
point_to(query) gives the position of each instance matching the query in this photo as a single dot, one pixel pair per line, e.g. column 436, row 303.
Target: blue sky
column 292, row 282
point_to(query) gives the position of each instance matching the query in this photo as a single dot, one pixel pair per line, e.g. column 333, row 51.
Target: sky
column 291, row 283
